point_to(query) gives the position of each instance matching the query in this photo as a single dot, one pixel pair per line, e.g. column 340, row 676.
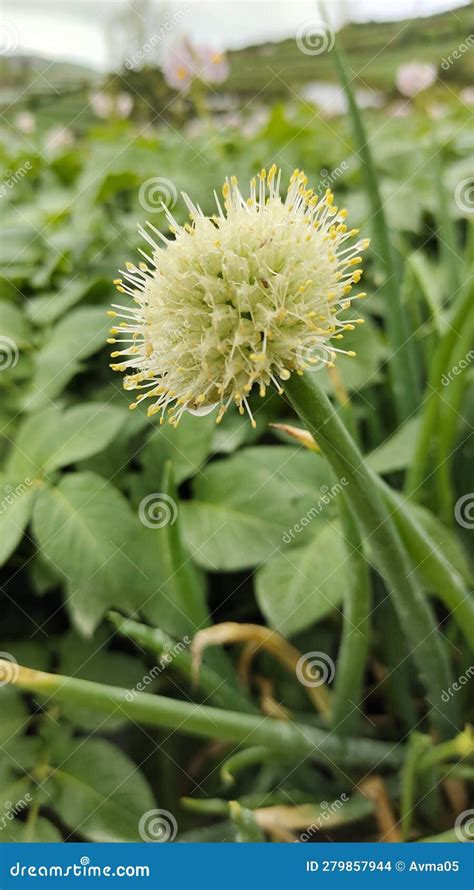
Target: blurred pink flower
column 413, row 77
column 101, row 104
column 467, row 95
column 213, row 66
column 59, row 138
column 106, row 106
column 186, row 62
column 25, row 122
column 123, row 105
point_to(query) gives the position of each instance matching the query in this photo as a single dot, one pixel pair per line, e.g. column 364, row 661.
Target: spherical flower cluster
column 238, row 300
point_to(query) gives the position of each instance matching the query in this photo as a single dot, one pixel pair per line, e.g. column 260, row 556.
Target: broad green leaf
column 92, row 660
column 101, row 793
column 41, row 831
column 17, row 497
column 244, row 505
column 363, row 369
column 84, row 526
column 187, row 446
column 235, row 432
column 397, row 451
column 15, row 798
column 76, row 337
column 304, row 584
column 53, row 438
column 47, row 308
column 14, row 325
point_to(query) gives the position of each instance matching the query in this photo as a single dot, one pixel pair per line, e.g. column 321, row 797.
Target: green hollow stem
column 435, row 570
column 403, row 365
column 290, row 739
column 175, row 654
column 242, row 760
column 363, row 493
column 354, row 647
column 442, row 363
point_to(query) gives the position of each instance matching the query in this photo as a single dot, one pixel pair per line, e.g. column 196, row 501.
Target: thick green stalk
column 354, row 647
column 441, row 366
column 450, row 416
column 446, row 227
column 403, row 365
column 165, row 648
column 437, row 573
column 290, row 739
column 363, row 493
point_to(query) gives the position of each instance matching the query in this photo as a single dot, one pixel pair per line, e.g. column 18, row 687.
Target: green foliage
column 253, row 532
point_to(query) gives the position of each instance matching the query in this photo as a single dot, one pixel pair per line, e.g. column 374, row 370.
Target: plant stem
column 161, row 645
column 403, row 365
column 292, row 740
column 354, row 647
column 435, row 570
column 363, row 492
column 441, row 365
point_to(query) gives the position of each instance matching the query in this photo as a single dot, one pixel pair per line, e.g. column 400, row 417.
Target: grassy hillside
column 374, row 51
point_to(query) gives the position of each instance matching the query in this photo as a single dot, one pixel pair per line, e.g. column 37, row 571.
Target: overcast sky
column 78, row 30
